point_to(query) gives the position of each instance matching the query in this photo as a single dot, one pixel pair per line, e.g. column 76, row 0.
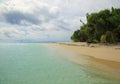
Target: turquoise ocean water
column 37, row 64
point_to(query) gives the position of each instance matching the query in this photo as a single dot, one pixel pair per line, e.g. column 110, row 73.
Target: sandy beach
column 105, row 58
column 111, row 53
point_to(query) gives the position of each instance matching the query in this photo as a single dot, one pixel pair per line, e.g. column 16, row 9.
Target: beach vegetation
column 102, row 26
column 103, row 39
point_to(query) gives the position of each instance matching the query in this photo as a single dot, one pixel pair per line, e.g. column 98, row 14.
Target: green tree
column 102, row 26
column 110, row 38
column 75, row 37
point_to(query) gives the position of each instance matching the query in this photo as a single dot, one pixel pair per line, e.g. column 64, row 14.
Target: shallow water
column 37, row 64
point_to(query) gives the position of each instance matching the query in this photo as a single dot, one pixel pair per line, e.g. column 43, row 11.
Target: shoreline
column 103, row 58
column 111, row 53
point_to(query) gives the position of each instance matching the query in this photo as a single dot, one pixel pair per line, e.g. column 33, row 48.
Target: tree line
column 102, row 26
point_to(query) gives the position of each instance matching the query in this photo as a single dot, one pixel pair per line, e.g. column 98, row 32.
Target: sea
column 35, row 63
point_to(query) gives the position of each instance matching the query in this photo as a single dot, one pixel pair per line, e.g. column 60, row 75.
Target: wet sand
column 104, row 58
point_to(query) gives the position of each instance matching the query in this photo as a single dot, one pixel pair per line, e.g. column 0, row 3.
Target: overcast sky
column 45, row 20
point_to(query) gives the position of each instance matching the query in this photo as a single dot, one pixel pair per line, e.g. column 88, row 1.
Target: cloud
column 46, row 20
column 16, row 17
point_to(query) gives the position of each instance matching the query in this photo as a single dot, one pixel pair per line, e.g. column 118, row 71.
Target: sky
column 46, row 20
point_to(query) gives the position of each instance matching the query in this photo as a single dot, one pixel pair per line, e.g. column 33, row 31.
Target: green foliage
column 83, row 36
column 110, row 38
column 103, row 26
column 103, row 39
column 95, row 41
column 75, row 37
